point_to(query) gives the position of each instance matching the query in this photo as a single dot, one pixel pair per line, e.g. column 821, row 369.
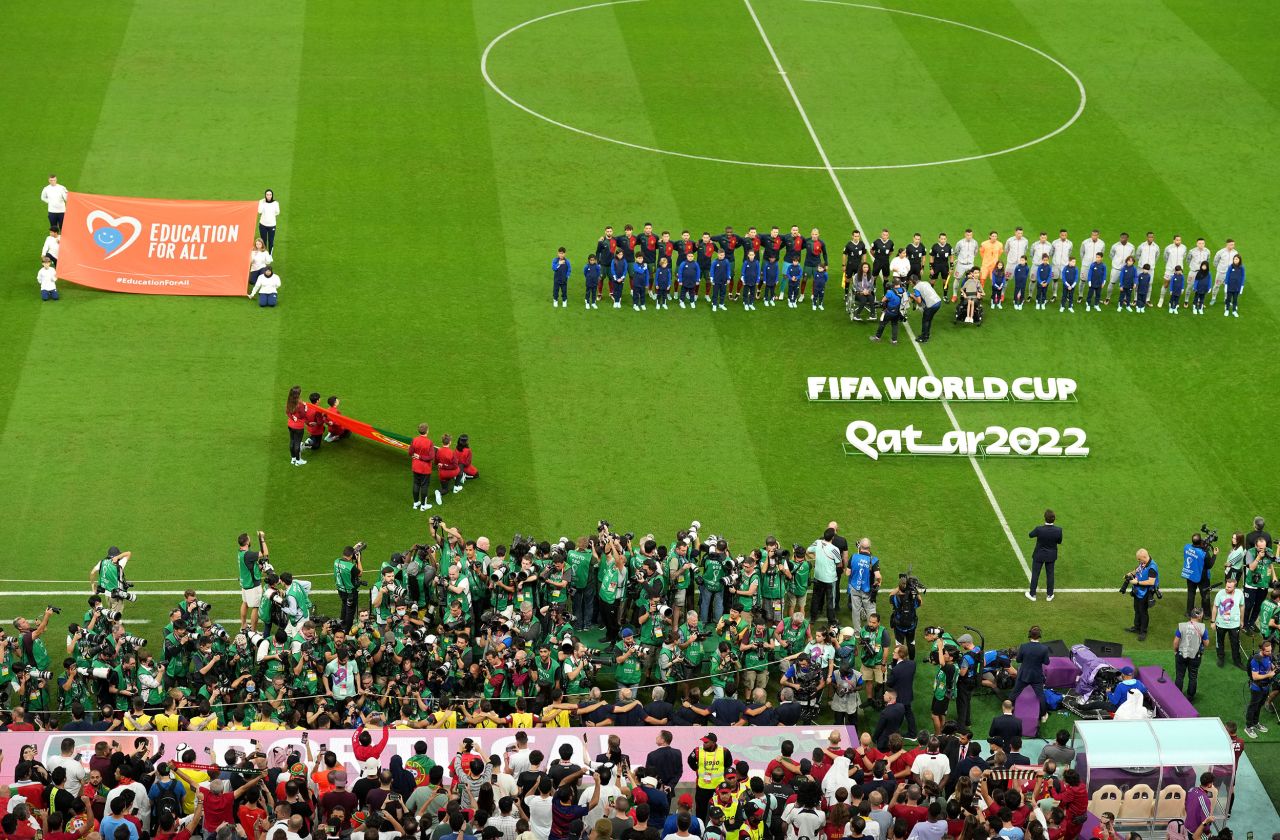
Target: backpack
column 168, row 799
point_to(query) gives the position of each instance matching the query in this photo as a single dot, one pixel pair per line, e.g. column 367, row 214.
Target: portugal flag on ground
column 364, row 430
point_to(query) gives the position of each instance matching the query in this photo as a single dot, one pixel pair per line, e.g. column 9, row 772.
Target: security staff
column 709, row 761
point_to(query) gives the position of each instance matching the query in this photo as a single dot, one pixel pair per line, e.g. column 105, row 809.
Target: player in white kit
column 1120, row 251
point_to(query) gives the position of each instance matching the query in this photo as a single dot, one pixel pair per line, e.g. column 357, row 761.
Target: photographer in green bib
column 690, row 642
column 711, row 581
column 745, row 591
column 630, row 662
column 582, row 560
column 297, row 592
column 756, row 646
column 655, row 629
column 773, row 585
column 107, row 578
column 347, row 572
column 798, row 574
column 681, row 569
column 250, row 566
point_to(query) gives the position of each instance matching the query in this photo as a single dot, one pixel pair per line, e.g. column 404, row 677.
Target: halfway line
column 835, row 179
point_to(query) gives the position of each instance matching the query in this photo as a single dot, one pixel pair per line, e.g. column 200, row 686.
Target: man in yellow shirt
column 990, row 251
column 168, row 720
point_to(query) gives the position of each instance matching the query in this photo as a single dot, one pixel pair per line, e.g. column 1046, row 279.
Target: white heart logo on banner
column 110, row 237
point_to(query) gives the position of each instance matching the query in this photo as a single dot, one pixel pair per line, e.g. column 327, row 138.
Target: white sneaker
column 586, row 304
column 426, row 506
column 1049, row 598
column 417, row 505
column 708, row 298
column 814, row 307
column 1249, row 730
column 554, row 304
column 635, row 307
column 642, row 309
column 301, row 462
column 693, row 304
column 1235, row 313
column 457, row 488
column 822, row 308
column 595, row 306
column 1260, row 726
column 1029, row 596
column 1226, row 312
column 682, row 305
column 439, row 500
column 293, row 461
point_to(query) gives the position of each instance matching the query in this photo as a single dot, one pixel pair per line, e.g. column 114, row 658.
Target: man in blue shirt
column 116, row 819
column 1121, row 692
column 864, row 573
column 1262, row 671
column 1144, row 580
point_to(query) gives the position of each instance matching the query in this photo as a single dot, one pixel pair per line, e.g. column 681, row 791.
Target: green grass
column 421, row 212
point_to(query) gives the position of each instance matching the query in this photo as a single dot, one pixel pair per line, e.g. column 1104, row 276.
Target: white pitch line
column 835, row 179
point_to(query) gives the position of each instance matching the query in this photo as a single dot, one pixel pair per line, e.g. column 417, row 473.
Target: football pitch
column 431, row 157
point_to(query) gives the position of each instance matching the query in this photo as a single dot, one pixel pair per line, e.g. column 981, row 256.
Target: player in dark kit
column 627, row 244
column 773, row 244
column 815, row 255
column 940, row 263
column 882, row 252
column 647, row 242
column 605, row 246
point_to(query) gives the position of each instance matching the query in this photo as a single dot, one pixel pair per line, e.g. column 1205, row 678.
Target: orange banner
column 157, row 247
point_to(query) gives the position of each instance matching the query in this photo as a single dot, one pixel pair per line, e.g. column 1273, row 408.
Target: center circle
column 957, row 79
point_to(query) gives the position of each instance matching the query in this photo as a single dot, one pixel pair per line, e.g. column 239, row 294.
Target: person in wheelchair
column 860, row 295
column 969, row 308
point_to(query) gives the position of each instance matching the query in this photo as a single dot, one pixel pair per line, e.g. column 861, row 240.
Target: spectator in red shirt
column 218, row 801
column 908, row 808
column 784, row 761
column 1074, row 800
column 20, row 722
column 362, row 745
column 866, row 754
column 55, row 823
column 169, row 826
column 422, row 456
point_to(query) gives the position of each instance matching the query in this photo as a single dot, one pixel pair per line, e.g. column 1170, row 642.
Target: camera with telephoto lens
column 109, row 615
column 55, row 610
column 913, row 585
column 20, row 668
column 123, row 594
column 729, row 571
column 1129, row 578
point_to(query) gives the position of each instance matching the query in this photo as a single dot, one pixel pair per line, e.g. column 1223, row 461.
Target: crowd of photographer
column 456, row 632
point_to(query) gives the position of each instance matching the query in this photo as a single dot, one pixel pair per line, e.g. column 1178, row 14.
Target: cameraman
column 1145, row 582
column 347, row 570
column 107, row 576
column 1197, row 566
column 773, row 586
column 905, row 603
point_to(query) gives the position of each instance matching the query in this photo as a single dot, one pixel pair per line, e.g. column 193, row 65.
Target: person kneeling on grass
column 267, row 288
column 464, row 462
column 47, row 277
column 446, row 468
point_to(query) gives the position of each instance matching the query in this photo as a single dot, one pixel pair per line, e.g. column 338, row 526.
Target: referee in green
column 347, row 569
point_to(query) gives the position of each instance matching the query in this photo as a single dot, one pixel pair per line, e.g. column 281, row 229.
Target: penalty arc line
column 844, row 198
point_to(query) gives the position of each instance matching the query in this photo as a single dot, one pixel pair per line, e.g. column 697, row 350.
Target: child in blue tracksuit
column 560, row 280
column 721, row 273
column 619, row 270
column 1235, row 285
column 591, row 273
column 1201, row 284
column 770, row 279
column 690, row 274
column 662, row 282
column 1144, row 287
column 639, row 282
column 1070, row 279
column 750, row 280
column 998, row 282
column 820, row 287
column 1044, row 276
column 1096, row 277
column 1177, row 283
column 794, row 275
column 1128, row 277
column 1021, row 273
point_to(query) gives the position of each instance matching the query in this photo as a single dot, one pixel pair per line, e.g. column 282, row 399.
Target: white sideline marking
column 835, row 179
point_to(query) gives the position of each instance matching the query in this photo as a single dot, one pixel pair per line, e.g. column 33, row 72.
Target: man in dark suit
column 1048, row 537
column 1032, row 658
column 1004, row 726
column 901, row 678
column 890, row 720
